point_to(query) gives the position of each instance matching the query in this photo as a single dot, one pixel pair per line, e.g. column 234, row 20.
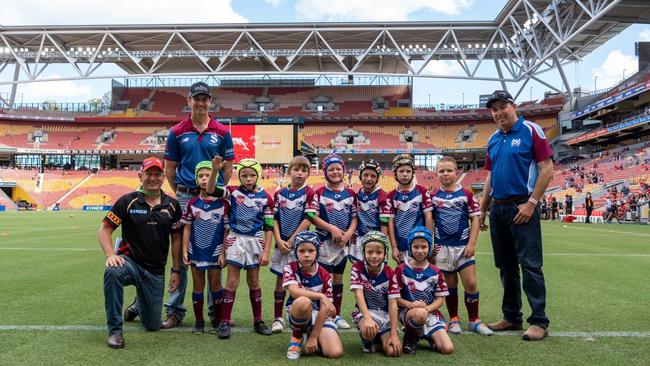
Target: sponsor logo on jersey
column 135, row 211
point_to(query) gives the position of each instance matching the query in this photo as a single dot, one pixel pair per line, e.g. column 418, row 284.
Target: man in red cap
column 148, row 218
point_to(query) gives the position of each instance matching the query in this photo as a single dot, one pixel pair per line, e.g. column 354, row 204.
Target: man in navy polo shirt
column 519, row 168
column 197, row 138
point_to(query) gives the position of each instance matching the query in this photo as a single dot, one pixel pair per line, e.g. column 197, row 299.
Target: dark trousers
column 150, row 289
column 589, row 210
column 515, row 247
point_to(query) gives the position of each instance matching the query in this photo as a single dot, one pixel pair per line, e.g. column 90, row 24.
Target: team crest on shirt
column 241, row 200
column 515, row 142
column 411, row 286
column 329, row 207
column 166, row 212
column 214, row 139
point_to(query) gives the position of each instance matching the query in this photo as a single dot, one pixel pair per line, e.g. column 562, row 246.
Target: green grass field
column 52, row 308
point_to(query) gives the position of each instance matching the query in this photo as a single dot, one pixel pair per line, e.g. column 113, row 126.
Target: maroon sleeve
column 488, row 162
column 541, row 148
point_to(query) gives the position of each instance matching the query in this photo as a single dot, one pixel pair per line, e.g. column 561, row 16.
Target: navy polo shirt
column 188, row 147
column 512, row 158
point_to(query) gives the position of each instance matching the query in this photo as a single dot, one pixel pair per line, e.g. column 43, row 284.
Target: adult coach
column 519, row 170
column 147, row 216
column 197, row 138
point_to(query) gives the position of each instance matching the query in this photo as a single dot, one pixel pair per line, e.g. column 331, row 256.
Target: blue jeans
column 150, row 289
column 518, row 246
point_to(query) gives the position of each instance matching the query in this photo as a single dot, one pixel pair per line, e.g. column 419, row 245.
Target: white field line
column 135, row 328
column 583, row 254
column 54, row 249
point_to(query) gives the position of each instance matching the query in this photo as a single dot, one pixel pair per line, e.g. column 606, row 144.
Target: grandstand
column 356, row 121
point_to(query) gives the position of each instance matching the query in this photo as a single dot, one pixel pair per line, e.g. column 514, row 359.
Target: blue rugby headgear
column 303, row 238
column 419, row 232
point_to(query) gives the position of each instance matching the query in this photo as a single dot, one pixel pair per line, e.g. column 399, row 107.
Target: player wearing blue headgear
column 334, row 213
column 375, row 288
column 423, row 289
column 309, row 304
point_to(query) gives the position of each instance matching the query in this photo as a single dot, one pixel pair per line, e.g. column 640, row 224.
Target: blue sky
column 607, row 62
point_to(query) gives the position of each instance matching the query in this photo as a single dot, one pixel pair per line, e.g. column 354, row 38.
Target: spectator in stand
column 589, row 206
column 625, row 190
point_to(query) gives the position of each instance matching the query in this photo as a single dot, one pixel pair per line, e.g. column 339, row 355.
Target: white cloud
column 78, row 12
column 612, row 69
column 374, row 10
column 644, row 36
column 60, row 91
column 273, row 3
column 443, row 68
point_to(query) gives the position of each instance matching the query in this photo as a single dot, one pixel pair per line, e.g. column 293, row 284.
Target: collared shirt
column 408, row 211
column 250, row 211
column 209, row 220
column 336, row 207
column 451, row 214
column 188, row 147
column 320, row 282
column 373, row 207
column 377, row 289
column 424, row 284
column 145, row 229
column 512, row 158
column 289, row 209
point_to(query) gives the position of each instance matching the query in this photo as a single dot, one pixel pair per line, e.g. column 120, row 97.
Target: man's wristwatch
column 176, row 270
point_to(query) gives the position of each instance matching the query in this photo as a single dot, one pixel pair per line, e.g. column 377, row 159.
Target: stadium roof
column 526, row 39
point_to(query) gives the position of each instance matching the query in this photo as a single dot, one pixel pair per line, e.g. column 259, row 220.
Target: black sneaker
column 130, row 313
column 409, row 346
column 199, row 327
column 262, row 329
column 224, row 330
column 369, row 347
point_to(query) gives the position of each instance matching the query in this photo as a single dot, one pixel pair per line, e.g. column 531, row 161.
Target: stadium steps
column 73, row 189
column 7, row 201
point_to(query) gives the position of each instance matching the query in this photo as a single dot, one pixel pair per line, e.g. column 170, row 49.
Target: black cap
column 200, row 88
column 499, row 95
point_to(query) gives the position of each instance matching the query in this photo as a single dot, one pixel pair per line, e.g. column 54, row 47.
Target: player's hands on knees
column 369, row 329
column 525, row 213
column 222, row 260
column 481, row 221
column 312, row 345
column 394, row 346
column 265, row 259
column 114, row 261
column 186, row 259
column 327, row 305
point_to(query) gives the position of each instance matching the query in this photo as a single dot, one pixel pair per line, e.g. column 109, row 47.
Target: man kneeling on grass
column 148, row 216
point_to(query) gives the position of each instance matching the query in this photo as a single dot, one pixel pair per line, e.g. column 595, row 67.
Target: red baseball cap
column 152, row 162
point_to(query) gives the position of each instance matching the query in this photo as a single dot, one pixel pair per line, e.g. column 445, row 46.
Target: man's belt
column 186, row 190
column 511, row 200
